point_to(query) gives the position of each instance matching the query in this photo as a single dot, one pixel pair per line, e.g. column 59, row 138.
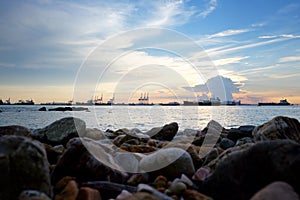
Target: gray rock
column 23, row 166
column 241, row 174
column 278, row 128
column 243, row 141
column 170, row 162
column 61, row 131
column 146, row 188
column 167, row 132
column 276, row 191
column 235, row 134
column 33, row 195
column 78, row 162
column 94, row 134
column 128, row 162
column 15, row 130
column 226, row 143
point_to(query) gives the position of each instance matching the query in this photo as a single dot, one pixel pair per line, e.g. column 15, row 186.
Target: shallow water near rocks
column 147, row 117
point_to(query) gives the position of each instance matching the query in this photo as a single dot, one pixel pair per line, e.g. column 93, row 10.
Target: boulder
column 235, row 134
column 86, row 193
column 23, row 166
column 170, row 162
column 60, row 131
column 15, row 130
column 78, row 162
column 278, row 128
column 276, row 191
column 43, row 109
column 167, row 132
column 70, row 192
column 242, row 173
column 226, row 143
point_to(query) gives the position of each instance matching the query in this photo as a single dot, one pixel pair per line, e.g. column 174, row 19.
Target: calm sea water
column 147, row 117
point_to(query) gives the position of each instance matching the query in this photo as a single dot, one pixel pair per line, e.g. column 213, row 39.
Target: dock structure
column 144, row 99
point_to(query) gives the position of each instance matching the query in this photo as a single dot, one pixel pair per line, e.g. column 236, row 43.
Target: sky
column 175, row 50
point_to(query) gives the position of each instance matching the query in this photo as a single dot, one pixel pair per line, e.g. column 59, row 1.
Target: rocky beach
column 67, row 160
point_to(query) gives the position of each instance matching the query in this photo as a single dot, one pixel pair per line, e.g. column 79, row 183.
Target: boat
column 209, row 102
column 282, row 102
column 27, row 102
column 231, row 103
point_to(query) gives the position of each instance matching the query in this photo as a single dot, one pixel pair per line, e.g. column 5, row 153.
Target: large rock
column 170, row 162
column 78, row 162
column 240, row 174
column 167, row 132
column 276, row 191
column 15, row 130
column 278, row 128
column 23, row 166
column 61, row 131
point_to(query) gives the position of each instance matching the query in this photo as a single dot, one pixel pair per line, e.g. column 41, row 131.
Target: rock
column 226, row 143
column 160, row 182
column 52, row 154
column 201, row 174
column 213, row 154
column 167, row 132
column 78, row 162
column 177, row 187
column 23, row 166
column 152, row 191
column 70, row 192
column 235, row 134
column 128, row 162
column 108, row 189
column 60, row 131
column 124, row 195
column 242, row 173
column 276, row 191
column 141, row 196
column 86, row 193
column 171, row 162
column 278, row 128
column 43, row 109
column 136, row 179
column 210, row 135
column 138, row 148
column 194, row 195
column 60, row 109
column 33, row 195
column 15, row 130
column 94, row 134
column 61, row 184
column 243, row 141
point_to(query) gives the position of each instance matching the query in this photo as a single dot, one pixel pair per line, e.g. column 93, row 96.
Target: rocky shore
column 66, row 160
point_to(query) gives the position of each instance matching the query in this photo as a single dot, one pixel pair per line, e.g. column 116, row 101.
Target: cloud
column 290, row 36
column 218, row 86
column 289, row 59
column 227, row 33
column 7, row 64
column 226, row 61
column 210, row 7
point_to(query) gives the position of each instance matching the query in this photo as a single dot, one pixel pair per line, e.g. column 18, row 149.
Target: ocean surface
column 147, row 117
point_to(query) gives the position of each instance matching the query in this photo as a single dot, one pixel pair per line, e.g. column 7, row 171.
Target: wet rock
column 276, row 191
column 43, row 109
column 15, row 130
column 171, row 162
column 243, row 141
column 86, row 193
column 70, row 192
column 60, row 131
column 278, row 128
column 167, row 132
column 242, row 173
column 23, row 166
column 33, row 195
column 226, row 143
column 78, row 162
column 194, row 195
column 235, row 134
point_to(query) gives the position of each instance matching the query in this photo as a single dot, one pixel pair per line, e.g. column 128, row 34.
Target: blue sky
column 255, row 44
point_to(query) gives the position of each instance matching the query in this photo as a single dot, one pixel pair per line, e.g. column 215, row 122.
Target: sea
column 146, row 117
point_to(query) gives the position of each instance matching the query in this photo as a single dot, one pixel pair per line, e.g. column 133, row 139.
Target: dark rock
column 136, row 179
column 60, row 131
column 43, row 109
column 60, row 109
column 243, row 141
column 241, row 174
column 52, row 154
column 141, row 196
column 171, row 162
column 70, row 192
column 33, row 195
column 86, row 193
column 109, row 190
column 194, row 195
column 278, row 128
column 23, row 166
column 276, row 191
column 167, row 132
column 235, row 134
column 152, row 191
column 78, row 162
column 226, row 143
column 213, row 154
column 15, row 130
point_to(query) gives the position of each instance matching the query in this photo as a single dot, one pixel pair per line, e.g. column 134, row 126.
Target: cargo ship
column 282, row 102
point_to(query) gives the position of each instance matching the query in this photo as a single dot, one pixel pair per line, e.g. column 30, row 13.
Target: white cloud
column 229, row 32
column 291, row 36
column 226, row 61
column 2, row 64
column 289, row 59
column 210, row 7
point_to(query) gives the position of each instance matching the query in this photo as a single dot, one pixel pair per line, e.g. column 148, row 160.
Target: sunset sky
column 45, row 46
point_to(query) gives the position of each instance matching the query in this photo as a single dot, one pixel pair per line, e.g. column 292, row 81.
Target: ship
column 282, row 102
column 27, row 102
column 209, row 102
